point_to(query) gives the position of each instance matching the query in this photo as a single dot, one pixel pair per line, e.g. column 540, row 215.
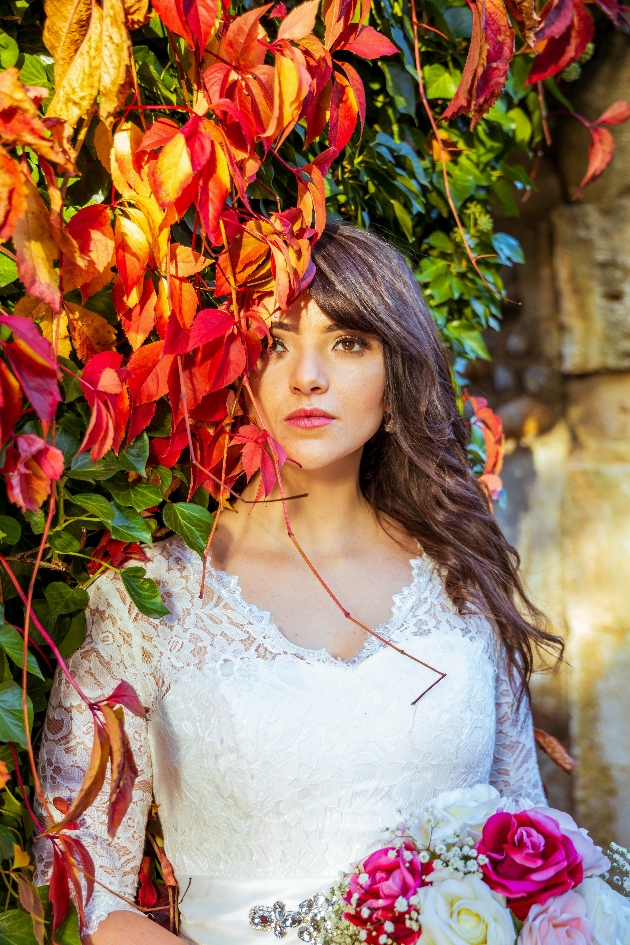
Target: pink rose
column 560, row 921
column 527, row 858
column 594, row 862
column 379, row 895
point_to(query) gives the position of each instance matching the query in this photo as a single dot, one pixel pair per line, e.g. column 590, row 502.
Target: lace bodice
column 268, row 759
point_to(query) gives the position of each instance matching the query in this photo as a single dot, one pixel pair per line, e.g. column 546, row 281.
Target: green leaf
column 8, row 270
column 165, row 476
column 508, row 248
column 136, row 455
column 144, row 592
column 63, row 599
column 75, row 635
column 16, row 928
column 33, row 72
column 459, row 21
column 9, row 52
column 82, row 467
column 13, row 645
column 440, row 82
column 36, row 520
column 10, row 530
column 63, row 542
column 68, row 932
column 128, row 525
column 96, row 504
column 470, row 339
column 7, row 839
column 139, row 495
column 192, row 522
column 401, row 87
column 12, row 722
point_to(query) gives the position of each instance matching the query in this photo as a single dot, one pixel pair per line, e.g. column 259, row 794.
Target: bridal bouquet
column 473, row 868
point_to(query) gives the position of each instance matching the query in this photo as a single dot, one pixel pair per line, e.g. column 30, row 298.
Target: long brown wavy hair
column 418, row 474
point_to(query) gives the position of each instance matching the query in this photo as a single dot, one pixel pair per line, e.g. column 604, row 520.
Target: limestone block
column 592, row 272
column 598, row 412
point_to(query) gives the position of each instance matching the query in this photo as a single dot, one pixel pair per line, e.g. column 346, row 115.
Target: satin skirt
column 214, row 910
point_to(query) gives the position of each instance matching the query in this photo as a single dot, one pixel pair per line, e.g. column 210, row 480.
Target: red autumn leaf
column 560, row 51
column 10, row 403
column 278, row 12
column 123, row 768
column 356, row 82
column 256, row 456
column 343, row 112
column 556, row 17
column 600, row 152
column 615, row 114
column 158, row 134
column 133, row 252
column 116, row 552
column 486, row 420
column 36, row 249
column 20, row 122
column 370, row 44
column 488, row 61
column 611, row 8
column 58, row 891
column 200, row 17
column 171, row 14
column 147, row 894
column 140, row 419
column 92, row 232
column 101, row 383
column 29, row 469
column 177, row 338
column 148, row 373
column 30, row 356
column 12, row 195
column 93, row 781
column 81, row 871
column 209, row 324
column 124, row 694
column 138, row 321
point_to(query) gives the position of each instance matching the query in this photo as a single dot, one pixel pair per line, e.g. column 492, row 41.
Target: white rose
column 464, row 912
column 608, row 910
column 462, row 811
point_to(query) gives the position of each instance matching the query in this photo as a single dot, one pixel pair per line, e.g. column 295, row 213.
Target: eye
column 350, row 345
column 276, row 346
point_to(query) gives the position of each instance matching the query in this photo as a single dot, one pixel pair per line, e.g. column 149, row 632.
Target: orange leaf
column 148, row 373
column 31, row 903
column 600, row 152
column 20, row 122
column 555, row 749
column 173, row 171
column 615, row 114
column 93, row 780
column 12, row 195
column 89, row 331
column 4, row 775
column 36, row 250
column 300, row 21
column 124, row 771
column 138, row 321
column 133, row 252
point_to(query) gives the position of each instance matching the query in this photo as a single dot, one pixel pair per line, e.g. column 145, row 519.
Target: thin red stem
column 18, row 773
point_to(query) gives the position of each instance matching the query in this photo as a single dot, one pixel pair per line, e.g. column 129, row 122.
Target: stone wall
column 560, row 379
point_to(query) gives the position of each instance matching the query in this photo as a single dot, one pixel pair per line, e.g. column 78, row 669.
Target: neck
column 333, row 512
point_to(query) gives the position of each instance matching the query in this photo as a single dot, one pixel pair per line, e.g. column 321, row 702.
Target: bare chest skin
column 363, row 571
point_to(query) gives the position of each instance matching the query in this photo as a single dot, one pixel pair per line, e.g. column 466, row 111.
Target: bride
column 281, row 737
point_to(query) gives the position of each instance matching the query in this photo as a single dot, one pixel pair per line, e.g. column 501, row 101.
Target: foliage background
column 390, row 177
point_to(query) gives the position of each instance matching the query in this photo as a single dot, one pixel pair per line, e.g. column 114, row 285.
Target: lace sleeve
column 515, row 766
column 109, row 654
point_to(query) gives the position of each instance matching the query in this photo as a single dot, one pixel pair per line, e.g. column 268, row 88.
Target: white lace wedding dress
column 274, row 766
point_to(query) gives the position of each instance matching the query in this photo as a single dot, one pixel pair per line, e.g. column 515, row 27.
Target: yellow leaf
column 103, row 142
column 64, row 31
column 136, row 13
column 20, row 858
column 36, row 250
column 90, row 332
column 77, row 92
column 126, row 166
column 115, row 60
column 173, row 171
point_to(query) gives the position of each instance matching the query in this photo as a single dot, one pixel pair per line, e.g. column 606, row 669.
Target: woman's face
column 321, row 387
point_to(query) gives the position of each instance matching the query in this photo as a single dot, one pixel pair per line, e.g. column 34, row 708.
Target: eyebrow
column 289, row 327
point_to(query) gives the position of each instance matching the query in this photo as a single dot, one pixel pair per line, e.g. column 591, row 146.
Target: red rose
column 380, row 895
column 528, row 859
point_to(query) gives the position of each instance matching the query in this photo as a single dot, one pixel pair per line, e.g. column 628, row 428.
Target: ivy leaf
column 64, row 542
column 13, row 645
column 136, row 455
column 75, row 635
column 7, row 839
column 128, row 525
column 144, row 592
column 9, row 52
column 10, row 530
column 12, row 723
column 96, row 504
column 63, row 599
column 82, row 467
column 190, row 521
column 138, row 495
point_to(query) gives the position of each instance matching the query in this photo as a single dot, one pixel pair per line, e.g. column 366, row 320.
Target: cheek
column 361, row 394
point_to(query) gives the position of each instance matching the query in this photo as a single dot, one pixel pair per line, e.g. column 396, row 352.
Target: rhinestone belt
column 312, row 918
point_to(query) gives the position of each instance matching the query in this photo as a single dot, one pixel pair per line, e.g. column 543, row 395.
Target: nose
column 308, row 375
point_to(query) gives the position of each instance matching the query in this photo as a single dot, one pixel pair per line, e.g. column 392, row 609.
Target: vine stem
column 447, row 188
column 316, row 573
column 16, row 762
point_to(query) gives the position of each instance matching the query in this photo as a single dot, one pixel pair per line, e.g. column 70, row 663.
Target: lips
column 308, row 418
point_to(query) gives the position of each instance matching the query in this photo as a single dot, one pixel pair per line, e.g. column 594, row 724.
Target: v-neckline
column 229, row 587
